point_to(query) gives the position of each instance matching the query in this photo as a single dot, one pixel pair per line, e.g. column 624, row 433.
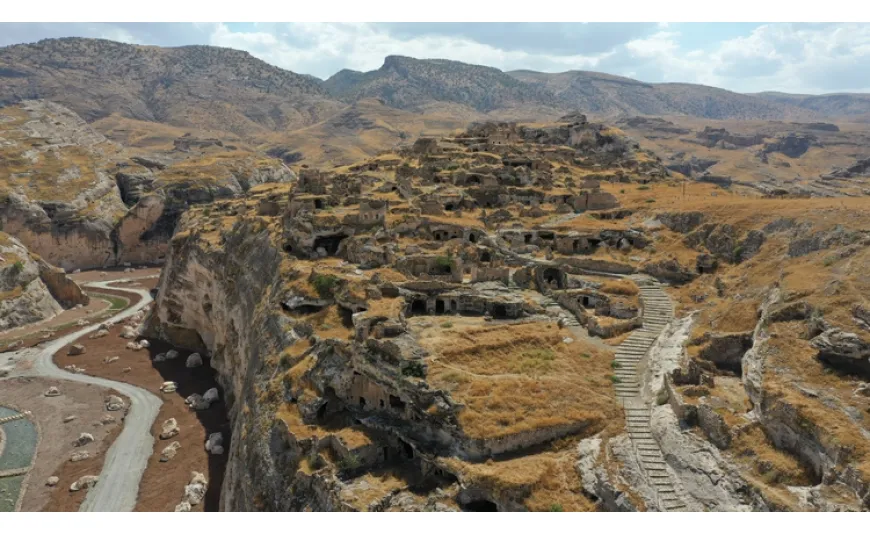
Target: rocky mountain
column 409, row 83
column 194, row 86
column 608, row 95
column 844, row 105
column 31, row 290
column 82, row 201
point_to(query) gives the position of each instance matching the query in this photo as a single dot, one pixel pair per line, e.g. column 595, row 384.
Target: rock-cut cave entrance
column 480, row 505
column 329, row 243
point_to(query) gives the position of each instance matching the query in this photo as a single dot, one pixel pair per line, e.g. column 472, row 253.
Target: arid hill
column 192, row 86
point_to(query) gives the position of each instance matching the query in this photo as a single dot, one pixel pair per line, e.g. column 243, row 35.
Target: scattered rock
column 52, row 392
column 79, row 456
column 108, row 360
column 196, row 402
column 75, row 350
column 170, row 451
column 214, row 443
column 52, row 482
column 115, row 403
column 85, row 482
column 169, row 429
column 183, row 506
column 172, row 354
column 126, row 369
column 144, row 343
column 194, row 492
column 160, row 357
column 194, row 360
column 169, row 387
column 211, row 396
column 128, row 332
column 69, row 418
column 107, row 419
column 84, row 439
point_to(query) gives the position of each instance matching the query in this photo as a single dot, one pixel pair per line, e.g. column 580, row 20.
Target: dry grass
column 620, row 287
column 523, row 377
column 543, row 480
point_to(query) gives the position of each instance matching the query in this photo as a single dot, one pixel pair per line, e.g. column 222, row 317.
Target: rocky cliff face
column 81, row 201
column 31, row 290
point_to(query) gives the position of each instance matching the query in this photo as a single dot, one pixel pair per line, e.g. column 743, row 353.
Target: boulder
column 196, row 402
column 170, row 451
column 194, row 492
column 85, row 482
column 52, row 392
column 160, row 357
column 169, row 429
column 194, row 360
column 84, row 439
column 79, row 456
column 214, row 443
column 171, row 355
column 128, row 332
column 169, row 387
column 144, row 343
column 211, row 396
column 107, row 419
column 75, row 350
column 52, row 482
column 115, row 403
column 183, row 506
column 69, row 418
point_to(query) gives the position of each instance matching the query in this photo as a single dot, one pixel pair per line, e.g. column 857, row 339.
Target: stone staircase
column 658, row 311
column 568, row 318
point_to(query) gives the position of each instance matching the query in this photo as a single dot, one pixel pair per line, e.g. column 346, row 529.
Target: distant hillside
column 837, row 105
column 193, row 86
column 608, row 95
column 411, row 84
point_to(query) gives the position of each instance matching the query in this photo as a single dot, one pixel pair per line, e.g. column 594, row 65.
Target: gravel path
column 128, row 456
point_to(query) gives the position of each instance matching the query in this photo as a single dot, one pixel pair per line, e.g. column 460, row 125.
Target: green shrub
column 17, row 267
column 650, row 200
column 414, row 369
column 349, row 462
column 643, row 188
column 615, row 379
column 447, row 324
column 324, row 284
column 615, row 364
column 556, row 508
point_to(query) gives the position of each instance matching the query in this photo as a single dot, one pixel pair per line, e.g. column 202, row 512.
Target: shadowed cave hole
column 480, row 505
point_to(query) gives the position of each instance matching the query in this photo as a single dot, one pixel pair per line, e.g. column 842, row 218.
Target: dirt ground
column 85, row 402
column 163, row 482
column 64, row 322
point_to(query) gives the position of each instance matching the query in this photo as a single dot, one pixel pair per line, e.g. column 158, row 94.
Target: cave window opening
column 381, row 402
column 449, row 207
column 585, row 302
column 486, row 257
column 329, row 243
column 396, row 403
column 318, row 204
column 407, row 449
column 528, row 238
column 418, row 307
column 481, row 505
column 362, row 402
column 472, row 238
column 346, row 317
column 552, row 278
column 439, row 306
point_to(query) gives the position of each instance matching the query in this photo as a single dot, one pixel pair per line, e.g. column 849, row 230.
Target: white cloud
column 798, row 58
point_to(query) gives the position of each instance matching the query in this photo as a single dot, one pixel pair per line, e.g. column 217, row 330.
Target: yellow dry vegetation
column 522, row 377
column 543, row 481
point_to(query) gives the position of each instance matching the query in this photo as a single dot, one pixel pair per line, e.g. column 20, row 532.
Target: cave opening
column 439, row 306
column 485, row 257
column 480, row 505
column 553, row 278
column 499, row 311
column 418, row 307
column 528, row 238
column 329, row 243
column 346, row 317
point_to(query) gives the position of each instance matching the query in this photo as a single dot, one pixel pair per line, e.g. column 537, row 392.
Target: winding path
column 127, row 458
column 658, row 311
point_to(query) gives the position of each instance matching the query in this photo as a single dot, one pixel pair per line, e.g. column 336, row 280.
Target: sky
column 810, row 58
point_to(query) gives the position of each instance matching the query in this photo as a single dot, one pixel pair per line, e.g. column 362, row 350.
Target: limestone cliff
column 31, row 290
